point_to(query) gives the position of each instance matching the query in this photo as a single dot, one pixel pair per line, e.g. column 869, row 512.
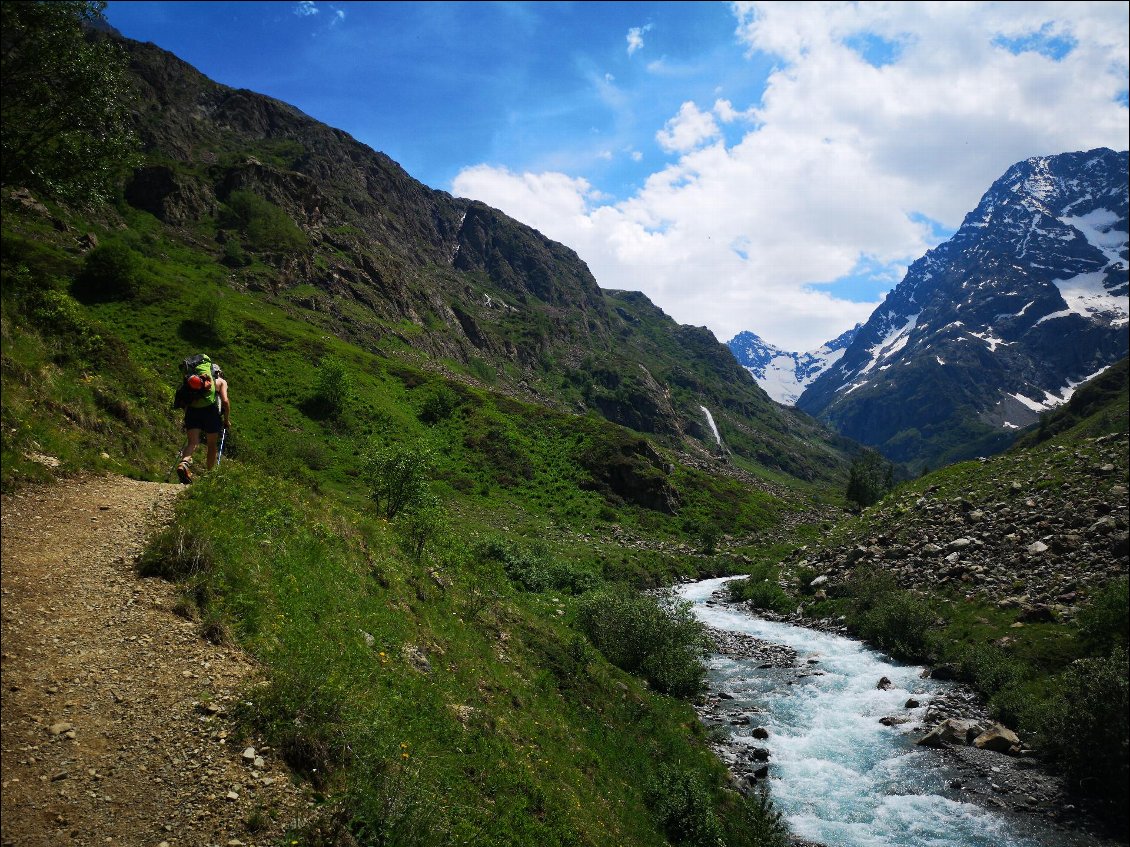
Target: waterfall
column 713, row 428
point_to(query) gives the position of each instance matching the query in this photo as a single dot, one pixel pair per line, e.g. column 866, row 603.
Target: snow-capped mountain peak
column 985, row 331
column 783, row 374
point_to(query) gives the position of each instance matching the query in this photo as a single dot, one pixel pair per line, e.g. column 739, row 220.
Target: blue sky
column 763, row 166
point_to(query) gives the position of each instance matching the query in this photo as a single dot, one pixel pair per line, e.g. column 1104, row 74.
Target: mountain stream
column 838, row 775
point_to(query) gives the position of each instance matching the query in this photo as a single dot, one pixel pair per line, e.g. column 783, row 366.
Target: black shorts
column 207, row 419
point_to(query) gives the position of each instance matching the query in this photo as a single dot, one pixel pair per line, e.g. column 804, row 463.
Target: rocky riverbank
column 1009, row 779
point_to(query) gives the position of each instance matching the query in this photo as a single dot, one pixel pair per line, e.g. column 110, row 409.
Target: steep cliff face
column 393, row 265
column 1027, row 300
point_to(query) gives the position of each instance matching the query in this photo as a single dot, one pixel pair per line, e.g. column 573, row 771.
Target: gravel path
column 115, row 711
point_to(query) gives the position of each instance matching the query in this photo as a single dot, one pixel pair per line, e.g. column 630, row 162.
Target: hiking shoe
column 183, row 473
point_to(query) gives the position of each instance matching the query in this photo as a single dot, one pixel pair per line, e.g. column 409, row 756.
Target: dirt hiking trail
column 115, row 714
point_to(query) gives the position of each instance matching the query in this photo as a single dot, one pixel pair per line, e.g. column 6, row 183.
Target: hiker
column 208, row 414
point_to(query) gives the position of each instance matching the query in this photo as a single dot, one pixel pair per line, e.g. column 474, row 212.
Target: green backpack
column 198, row 388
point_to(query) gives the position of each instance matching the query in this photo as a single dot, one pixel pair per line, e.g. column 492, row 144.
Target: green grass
column 517, row 730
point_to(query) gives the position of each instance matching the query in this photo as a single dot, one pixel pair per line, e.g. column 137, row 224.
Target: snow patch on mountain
column 782, row 374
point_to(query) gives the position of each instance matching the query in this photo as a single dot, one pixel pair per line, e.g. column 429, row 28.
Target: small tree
column 110, row 271
column 419, row 524
column 333, row 388
column 66, row 129
column 209, row 312
column 398, row 477
column 682, row 803
column 870, row 478
column 658, row 638
column 266, row 226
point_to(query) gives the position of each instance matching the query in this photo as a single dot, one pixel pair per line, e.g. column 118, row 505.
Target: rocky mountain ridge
column 401, row 269
column 998, row 324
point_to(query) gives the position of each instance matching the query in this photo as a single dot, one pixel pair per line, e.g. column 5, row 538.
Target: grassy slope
column 519, row 731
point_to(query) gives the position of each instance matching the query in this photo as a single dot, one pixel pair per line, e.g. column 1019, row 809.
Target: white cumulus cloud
column 875, row 116
column 689, row 129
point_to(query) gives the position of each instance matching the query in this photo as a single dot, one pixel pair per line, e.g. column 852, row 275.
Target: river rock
column 998, row 738
column 950, row 731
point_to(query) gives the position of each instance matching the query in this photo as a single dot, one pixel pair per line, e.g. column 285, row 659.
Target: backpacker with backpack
column 198, row 384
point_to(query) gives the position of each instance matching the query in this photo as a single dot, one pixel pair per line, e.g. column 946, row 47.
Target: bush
column 657, row 638
column 1002, row 679
column 761, row 590
column 439, row 403
column 333, row 388
column 110, row 272
column 266, row 225
column 398, row 476
column 1084, row 728
column 1104, row 624
column 888, row 617
column 534, row 570
column 208, row 314
column 419, row 524
column 901, row 625
column 869, row 479
column 758, row 824
column 234, row 257
column 683, row 807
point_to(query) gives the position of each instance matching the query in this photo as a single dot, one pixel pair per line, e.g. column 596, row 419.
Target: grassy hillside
column 434, row 672
column 454, row 463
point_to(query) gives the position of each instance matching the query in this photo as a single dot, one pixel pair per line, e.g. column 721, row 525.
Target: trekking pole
column 223, row 435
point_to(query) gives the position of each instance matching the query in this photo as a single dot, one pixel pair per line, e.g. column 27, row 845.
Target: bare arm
column 225, row 403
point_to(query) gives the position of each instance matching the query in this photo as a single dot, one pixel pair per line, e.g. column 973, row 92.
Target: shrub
column 534, row 570
column 266, row 225
column 333, row 388
column 110, row 271
column 398, row 476
column 888, row 617
column 657, row 638
column 761, row 590
column 990, row 669
column 683, row 807
column 419, row 524
column 758, row 824
column 1104, row 624
column 233, row 256
column 901, row 625
column 439, row 403
column 869, row 479
column 208, row 315
column 1084, row 728
column 1002, row 679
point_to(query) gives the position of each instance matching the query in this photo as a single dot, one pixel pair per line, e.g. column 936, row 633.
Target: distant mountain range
column 1026, row 301
column 784, row 375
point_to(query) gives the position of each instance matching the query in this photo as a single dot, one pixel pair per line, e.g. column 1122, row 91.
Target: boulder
column 998, row 738
column 950, row 731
